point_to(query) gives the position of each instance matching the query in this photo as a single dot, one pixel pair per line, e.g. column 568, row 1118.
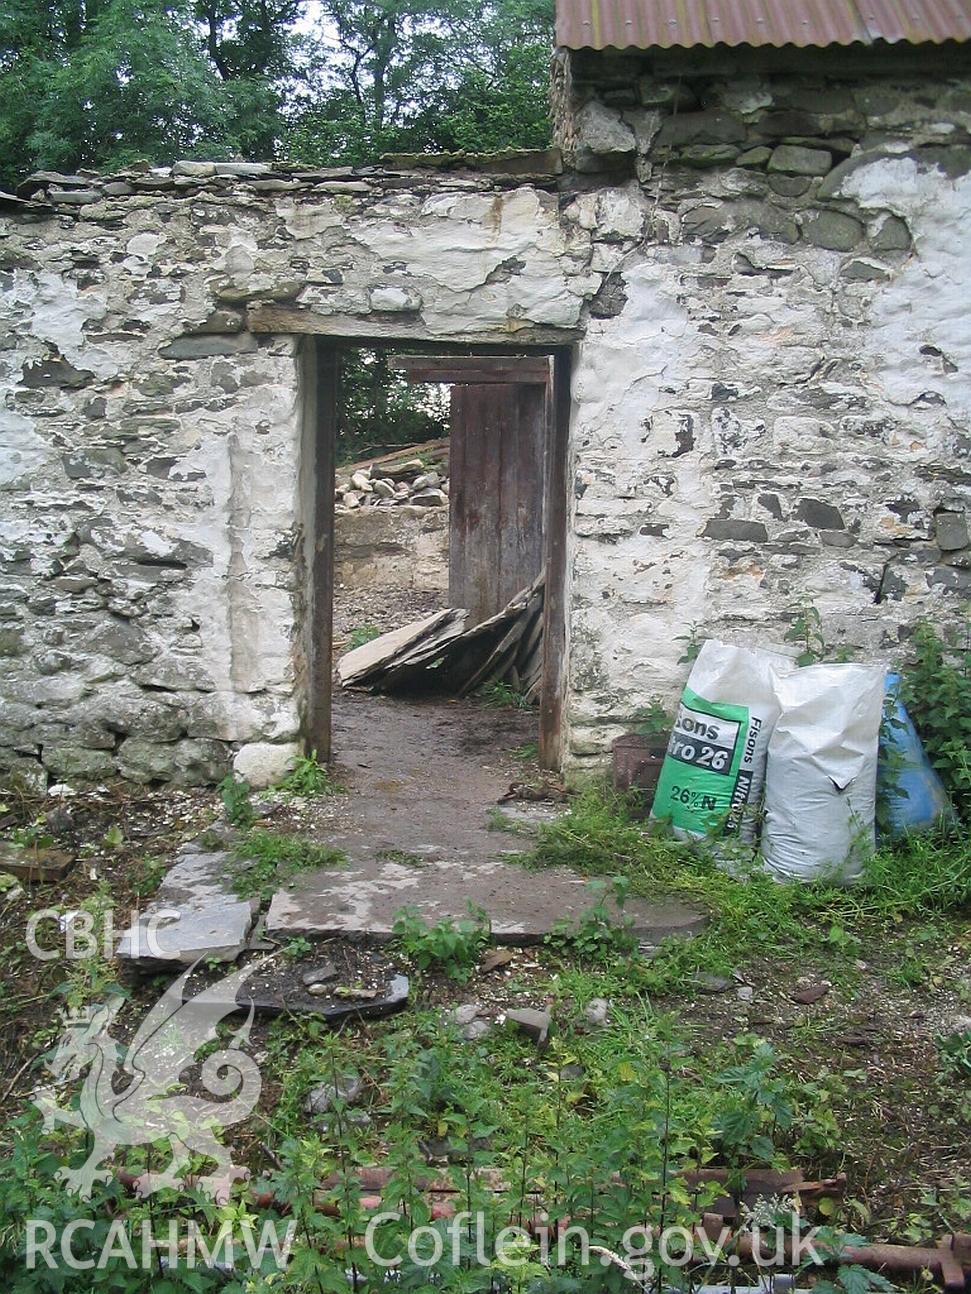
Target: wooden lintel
column 474, row 370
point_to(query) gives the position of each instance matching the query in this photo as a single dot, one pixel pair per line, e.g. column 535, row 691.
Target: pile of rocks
column 389, row 483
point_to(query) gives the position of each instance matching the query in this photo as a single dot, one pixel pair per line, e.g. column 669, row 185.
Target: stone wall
column 765, row 275
column 150, row 504
column 772, row 399
column 399, row 549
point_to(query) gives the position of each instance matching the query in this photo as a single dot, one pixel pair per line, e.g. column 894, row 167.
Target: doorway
column 507, row 505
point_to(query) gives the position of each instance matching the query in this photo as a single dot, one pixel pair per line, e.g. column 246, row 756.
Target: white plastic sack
column 820, row 789
column 714, row 769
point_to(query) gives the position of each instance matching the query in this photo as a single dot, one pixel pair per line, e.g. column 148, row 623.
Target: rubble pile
column 417, row 475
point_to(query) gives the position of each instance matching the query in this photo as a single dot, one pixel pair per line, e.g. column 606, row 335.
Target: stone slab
column 194, row 915
column 362, row 901
column 425, row 778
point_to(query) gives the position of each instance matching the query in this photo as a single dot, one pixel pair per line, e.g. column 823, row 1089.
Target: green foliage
column 955, row 1051
column 425, row 76
column 653, row 719
column 452, row 946
column 503, row 696
column 936, row 687
column 34, row 835
column 361, row 634
column 236, row 800
column 598, row 936
column 693, row 641
column 310, row 777
column 264, row 860
column 107, row 83
column 380, row 410
column 806, row 629
column 922, row 877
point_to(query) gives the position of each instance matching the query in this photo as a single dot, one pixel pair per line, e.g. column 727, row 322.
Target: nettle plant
column 937, row 691
column 452, row 946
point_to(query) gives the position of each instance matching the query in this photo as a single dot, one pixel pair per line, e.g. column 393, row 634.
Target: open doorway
column 502, row 483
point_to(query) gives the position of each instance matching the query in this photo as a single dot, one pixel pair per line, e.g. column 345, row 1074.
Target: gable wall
column 770, row 400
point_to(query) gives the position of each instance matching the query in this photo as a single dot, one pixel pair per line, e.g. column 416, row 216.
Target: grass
column 925, row 878
column 503, row 696
column 310, row 777
column 265, row 860
column 401, row 856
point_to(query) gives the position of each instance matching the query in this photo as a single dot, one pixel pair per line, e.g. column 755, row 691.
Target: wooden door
column 500, row 413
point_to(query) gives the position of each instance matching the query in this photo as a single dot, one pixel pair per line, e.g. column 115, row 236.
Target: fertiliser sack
column 820, row 786
column 715, row 764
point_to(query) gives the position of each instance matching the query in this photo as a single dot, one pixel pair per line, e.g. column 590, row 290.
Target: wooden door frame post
column 555, row 662
column 319, row 396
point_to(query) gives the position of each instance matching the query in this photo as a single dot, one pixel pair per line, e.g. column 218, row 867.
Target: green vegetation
column 504, row 696
column 451, row 946
column 361, row 634
column 926, row 876
column 265, row 860
column 598, row 936
column 310, row 777
column 937, row 692
column 235, row 796
column 101, row 85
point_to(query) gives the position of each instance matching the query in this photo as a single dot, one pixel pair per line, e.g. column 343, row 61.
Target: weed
column 310, row 777
column 149, row 876
column 264, row 860
column 806, row 630
column 402, row 857
column 34, row 836
column 693, row 642
column 497, row 820
column 296, row 948
column 236, row 801
column 936, row 687
column 925, row 875
column 454, row 946
column 652, row 720
column 526, row 753
column 598, row 936
column 503, row 696
column 955, row 1052
column 361, row 635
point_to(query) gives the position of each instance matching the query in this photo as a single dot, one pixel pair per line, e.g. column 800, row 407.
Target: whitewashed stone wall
column 767, row 279
column 778, row 411
column 149, row 503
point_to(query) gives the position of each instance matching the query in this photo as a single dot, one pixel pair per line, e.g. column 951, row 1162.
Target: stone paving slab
column 362, row 900
column 425, row 779
column 193, row 915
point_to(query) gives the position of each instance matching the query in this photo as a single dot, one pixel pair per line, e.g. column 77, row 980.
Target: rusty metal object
column 638, row 761
column 686, row 24
column 948, row 1262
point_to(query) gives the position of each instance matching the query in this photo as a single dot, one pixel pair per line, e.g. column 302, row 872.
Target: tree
column 101, row 82
column 380, row 409
column 425, row 75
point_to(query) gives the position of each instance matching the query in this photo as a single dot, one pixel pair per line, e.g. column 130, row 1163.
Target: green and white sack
column 714, row 769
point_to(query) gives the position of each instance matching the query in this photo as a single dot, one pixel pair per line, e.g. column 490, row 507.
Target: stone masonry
column 765, row 278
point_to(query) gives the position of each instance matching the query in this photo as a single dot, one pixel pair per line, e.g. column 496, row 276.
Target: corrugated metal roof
column 663, row 24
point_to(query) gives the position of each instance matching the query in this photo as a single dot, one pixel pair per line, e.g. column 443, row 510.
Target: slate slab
column 194, row 915
column 363, row 899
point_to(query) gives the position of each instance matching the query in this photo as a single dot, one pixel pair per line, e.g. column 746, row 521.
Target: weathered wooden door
column 500, row 414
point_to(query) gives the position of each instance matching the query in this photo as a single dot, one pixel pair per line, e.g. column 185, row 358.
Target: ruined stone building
column 748, row 258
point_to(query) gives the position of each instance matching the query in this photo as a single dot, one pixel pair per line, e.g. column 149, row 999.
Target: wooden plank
column 378, row 654
column 474, row 370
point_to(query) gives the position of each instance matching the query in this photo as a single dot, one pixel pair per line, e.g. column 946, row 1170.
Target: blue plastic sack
column 911, row 793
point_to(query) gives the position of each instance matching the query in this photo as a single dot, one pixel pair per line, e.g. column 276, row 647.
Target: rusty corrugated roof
column 663, row 24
